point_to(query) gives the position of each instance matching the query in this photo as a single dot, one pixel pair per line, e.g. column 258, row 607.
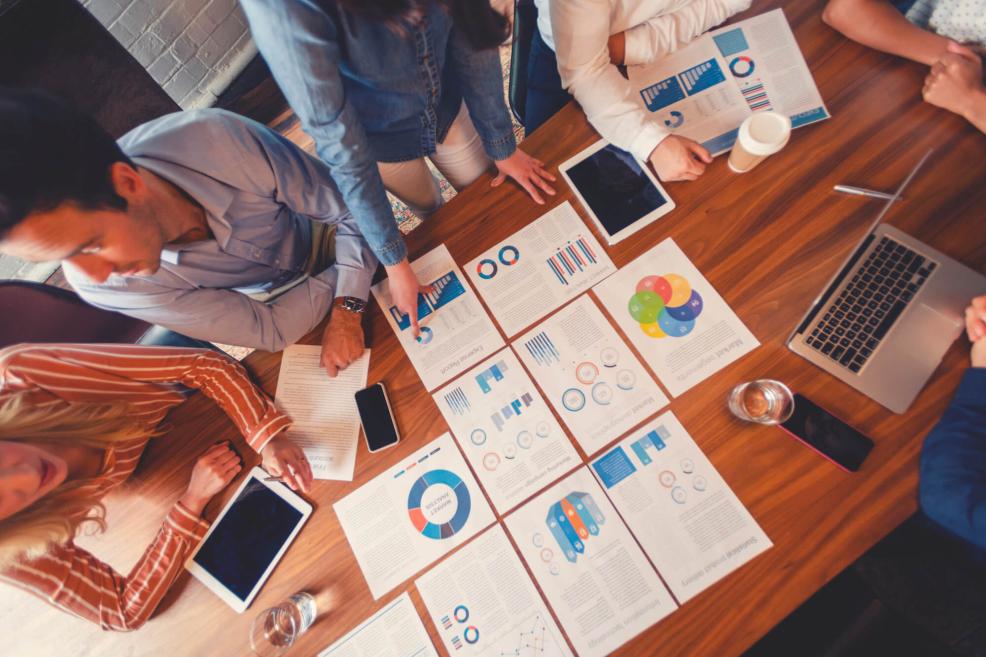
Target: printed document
column 595, row 577
column 323, row 410
column 690, row 524
column 591, row 377
column 674, row 317
column 706, row 89
column 404, row 519
column 539, row 268
column 483, row 603
column 508, row 433
column 456, row 333
column 394, row 631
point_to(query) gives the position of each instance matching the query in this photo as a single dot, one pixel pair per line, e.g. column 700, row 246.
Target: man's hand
column 212, row 472
column 282, row 458
column 404, row 288
column 617, row 45
column 955, row 82
column 529, row 174
column 679, row 158
column 342, row 340
column 975, row 328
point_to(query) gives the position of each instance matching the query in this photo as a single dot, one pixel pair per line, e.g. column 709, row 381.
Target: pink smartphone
column 827, row 434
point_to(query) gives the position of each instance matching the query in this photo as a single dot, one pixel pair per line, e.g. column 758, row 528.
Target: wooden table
column 767, row 240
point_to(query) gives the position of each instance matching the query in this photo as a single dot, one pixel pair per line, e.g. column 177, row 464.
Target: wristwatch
column 352, row 304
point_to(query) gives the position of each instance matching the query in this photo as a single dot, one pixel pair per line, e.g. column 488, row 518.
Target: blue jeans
column 545, row 95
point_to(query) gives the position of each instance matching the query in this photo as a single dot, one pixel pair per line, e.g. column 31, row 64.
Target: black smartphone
column 827, row 434
column 379, row 427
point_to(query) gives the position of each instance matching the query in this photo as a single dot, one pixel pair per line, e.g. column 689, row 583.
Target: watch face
column 354, row 304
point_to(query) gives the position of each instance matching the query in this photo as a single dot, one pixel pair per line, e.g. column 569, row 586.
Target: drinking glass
column 764, row 401
column 276, row 629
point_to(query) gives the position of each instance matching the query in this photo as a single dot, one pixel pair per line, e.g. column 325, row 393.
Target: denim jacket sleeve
column 299, row 42
column 953, row 463
column 480, row 77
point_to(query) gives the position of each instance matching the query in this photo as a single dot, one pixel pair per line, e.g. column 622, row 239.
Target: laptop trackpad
column 921, row 338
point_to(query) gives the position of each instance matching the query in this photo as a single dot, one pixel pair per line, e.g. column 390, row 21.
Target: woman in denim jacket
column 381, row 84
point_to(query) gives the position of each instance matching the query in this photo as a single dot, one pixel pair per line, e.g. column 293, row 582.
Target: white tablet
column 621, row 194
column 248, row 539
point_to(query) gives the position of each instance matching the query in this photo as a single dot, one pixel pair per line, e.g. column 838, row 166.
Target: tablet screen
column 247, row 538
column 615, row 187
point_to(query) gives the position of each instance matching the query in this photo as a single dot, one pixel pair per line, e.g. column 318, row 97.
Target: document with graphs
column 704, row 90
column 595, row 577
column 483, row 603
column 589, row 375
column 691, row 525
column 674, row 317
column 538, row 268
column 402, row 520
column 507, row 432
column 456, row 333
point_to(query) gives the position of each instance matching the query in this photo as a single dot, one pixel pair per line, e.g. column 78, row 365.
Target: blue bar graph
column 699, row 78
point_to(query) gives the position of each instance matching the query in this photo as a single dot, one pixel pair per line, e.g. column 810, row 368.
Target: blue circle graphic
column 414, row 497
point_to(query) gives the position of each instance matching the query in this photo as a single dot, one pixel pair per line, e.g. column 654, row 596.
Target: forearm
column 976, row 111
column 879, row 25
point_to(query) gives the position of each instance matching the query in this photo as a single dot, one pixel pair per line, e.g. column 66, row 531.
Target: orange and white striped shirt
column 151, row 380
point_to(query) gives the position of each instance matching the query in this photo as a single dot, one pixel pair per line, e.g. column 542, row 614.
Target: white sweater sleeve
column 581, row 31
column 663, row 34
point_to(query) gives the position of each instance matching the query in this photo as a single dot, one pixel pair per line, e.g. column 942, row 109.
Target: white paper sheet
column 394, row 631
column 539, row 268
column 404, row 519
column 456, row 333
column 674, row 317
column 505, row 429
column 691, row 525
column 590, row 376
column 326, row 422
column 593, row 574
column 484, row 604
column 705, row 90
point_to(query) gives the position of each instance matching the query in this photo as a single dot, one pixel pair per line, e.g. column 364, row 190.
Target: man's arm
column 879, row 25
column 953, row 463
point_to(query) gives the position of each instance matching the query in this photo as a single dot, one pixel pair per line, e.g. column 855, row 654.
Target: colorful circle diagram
column 438, row 504
column 665, row 306
column 426, row 335
column 742, row 66
column 509, row 255
column 573, row 400
column 486, row 269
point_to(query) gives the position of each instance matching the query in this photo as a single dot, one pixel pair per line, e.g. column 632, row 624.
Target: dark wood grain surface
column 767, row 241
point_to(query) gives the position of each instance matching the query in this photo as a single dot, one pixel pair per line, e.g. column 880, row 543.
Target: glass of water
column 276, row 629
column 764, row 401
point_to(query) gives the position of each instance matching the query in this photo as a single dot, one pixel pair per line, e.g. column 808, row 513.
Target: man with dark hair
column 196, row 221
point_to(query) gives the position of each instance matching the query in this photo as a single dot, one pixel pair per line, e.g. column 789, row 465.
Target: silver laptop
column 885, row 321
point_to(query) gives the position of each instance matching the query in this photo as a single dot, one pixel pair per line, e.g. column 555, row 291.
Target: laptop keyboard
column 858, row 319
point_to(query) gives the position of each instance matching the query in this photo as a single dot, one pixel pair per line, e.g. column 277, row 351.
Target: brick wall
column 193, row 48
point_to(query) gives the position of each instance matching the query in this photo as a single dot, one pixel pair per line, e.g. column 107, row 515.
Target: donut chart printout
column 589, row 375
column 483, row 603
column 404, row 519
column 595, row 577
column 456, row 332
column 691, row 525
column 507, row 432
column 674, row 317
column 537, row 269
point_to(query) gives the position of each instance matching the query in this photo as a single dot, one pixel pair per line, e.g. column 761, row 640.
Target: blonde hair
column 58, row 516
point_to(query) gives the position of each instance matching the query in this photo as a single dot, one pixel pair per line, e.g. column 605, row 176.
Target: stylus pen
column 862, row 191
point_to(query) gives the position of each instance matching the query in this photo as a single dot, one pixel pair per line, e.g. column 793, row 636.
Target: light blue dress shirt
column 260, row 193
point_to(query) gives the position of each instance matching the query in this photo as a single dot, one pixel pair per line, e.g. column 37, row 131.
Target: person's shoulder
column 191, row 133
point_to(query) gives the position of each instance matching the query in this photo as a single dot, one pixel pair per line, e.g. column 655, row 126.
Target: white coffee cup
column 761, row 134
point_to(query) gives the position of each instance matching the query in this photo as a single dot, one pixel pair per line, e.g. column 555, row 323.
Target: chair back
column 34, row 312
column 525, row 23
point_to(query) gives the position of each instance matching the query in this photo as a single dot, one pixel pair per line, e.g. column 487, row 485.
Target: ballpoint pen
column 861, row 191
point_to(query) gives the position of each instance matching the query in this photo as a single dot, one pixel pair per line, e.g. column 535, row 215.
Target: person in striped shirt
column 74, row 421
